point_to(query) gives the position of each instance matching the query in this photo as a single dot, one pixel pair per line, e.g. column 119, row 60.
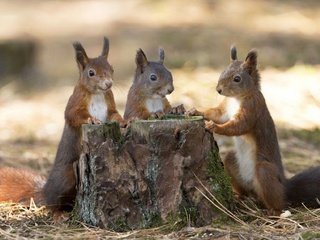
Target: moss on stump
column 150, row 174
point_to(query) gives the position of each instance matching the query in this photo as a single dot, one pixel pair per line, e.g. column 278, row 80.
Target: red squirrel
column 147, row 95
column 92, row 101
column 255, row 167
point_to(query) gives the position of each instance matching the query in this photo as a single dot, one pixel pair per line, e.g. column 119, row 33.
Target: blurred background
column 38, row 70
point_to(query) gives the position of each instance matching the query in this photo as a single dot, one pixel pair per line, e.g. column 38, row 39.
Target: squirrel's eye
column 237, row 79
column 91, row 72
column 153, row 77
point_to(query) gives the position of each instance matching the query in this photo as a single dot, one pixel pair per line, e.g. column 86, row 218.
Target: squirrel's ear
column 233, row 53
column 81, row 56
column 105, row 49
column 161, row 55
column 141, row 60
column 251, row 61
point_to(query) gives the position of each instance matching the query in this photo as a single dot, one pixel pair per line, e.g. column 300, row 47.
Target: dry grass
column 19, row 222
column 31, row 142
column 196, row 38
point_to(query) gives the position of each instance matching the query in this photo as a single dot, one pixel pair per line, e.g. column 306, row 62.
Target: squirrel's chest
column 231, row 109
column 98, row 107
column 154, row 105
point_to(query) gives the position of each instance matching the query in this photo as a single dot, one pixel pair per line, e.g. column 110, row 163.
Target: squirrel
column 147, row 95
column 255, row 167
column 92, row 102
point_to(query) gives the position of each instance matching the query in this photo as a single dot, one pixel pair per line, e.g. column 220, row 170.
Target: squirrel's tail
column 304, row 188
column 19, row 186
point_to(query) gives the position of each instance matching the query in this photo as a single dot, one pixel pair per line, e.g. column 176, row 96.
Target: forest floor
column 196, row 38
column 31, row 126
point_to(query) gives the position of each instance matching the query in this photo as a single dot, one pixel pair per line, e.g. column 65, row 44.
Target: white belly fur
column 232, row 108
column 98, row 107
column 245, row 146
column 154, row 105
column 246, row 154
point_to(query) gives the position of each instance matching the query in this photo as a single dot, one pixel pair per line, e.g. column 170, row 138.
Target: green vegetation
column 221, row 183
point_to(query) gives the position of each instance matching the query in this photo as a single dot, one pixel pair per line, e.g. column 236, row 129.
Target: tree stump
column 150, row 174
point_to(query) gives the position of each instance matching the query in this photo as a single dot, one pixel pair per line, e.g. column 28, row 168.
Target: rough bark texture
column 147, row 175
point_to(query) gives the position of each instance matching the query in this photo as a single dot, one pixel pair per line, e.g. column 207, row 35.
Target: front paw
column 93, row 120
column 159, row 115
column 178, row 109
column 193, row 112
column 211, row 126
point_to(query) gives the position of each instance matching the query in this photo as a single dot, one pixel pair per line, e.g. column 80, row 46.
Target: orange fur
column 256, row 166
column 95, row 82
column 17, row 185
column 113, row 113
column 92, row 98
column 215, row 114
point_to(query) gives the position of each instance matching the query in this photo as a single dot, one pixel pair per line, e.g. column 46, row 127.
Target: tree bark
column 150, row 174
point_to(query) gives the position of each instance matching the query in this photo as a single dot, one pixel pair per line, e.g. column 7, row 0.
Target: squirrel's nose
column 219, row 90
column 108, row 83
column 170, row 90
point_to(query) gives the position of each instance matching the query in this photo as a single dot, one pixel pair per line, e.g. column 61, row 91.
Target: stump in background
column 147, row 176
column 17, row 58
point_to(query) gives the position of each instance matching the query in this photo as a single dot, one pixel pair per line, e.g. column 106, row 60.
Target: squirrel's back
column 17, row 185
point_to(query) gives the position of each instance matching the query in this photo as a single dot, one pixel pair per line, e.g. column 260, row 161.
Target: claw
column 94, row 120
column 178, row 109
column 193, row 112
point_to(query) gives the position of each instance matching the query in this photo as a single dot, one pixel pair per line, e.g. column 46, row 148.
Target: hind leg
column 269, row 187
column 232, row 169
column 59, row 191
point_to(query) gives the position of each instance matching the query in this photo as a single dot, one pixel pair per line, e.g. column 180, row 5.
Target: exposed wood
column 147, row 175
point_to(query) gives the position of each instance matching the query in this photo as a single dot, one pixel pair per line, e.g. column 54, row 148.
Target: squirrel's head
column 153, row 79
column 239, row 78
column 95, row 73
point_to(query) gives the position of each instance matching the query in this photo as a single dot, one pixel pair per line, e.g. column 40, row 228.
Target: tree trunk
column 149, row 174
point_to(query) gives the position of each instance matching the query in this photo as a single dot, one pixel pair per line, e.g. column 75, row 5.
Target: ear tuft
column 161, row 55
column 233, row 53
column 105, row 49
column 81, row 56
column 251, row 61
column 141, row 60
column 252, row 57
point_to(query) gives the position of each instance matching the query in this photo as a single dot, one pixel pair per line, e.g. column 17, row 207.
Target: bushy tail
column 19, row 186
column 304, row 188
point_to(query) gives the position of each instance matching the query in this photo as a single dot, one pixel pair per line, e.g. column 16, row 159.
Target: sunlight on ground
column 196, row 37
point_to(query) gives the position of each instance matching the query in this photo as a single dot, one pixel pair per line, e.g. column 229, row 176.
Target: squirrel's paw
column 178, row 109
column 210, row 125
column 159, row 115
column 93, row 120
column 193, row 112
